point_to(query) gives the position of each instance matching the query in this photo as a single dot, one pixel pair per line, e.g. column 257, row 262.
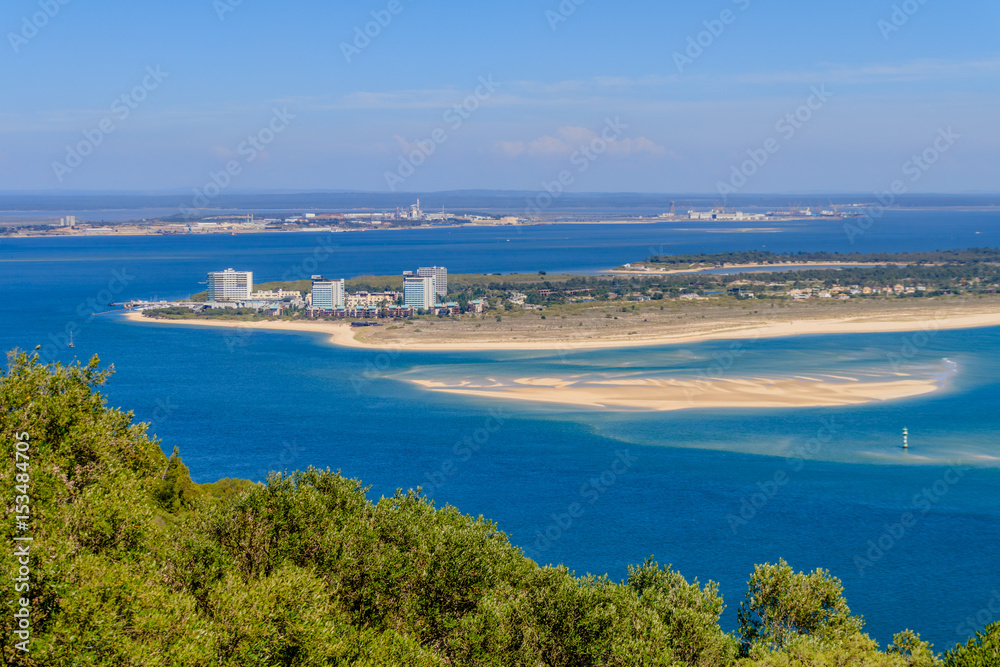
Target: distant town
column 424, row 292
column 791, row 213
column 206, row 222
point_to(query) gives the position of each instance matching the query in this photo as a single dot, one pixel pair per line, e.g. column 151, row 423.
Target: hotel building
column 230, row 285
column 419, row 292
column 440, row 275
column 327, row 294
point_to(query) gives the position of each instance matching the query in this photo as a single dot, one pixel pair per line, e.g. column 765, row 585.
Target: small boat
column 70, row 344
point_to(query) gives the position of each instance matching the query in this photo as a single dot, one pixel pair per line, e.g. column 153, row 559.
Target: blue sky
column 887, row 92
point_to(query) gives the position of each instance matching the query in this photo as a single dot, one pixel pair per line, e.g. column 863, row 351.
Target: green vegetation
column 970, row 256
column 134, row 564
column 975, row 271
column 182, row 313
column 983, row 650
column 304, row 286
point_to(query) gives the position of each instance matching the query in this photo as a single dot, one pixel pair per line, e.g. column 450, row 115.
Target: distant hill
column 454, row 201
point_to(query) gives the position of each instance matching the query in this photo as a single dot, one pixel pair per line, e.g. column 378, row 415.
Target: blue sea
column 912, row 534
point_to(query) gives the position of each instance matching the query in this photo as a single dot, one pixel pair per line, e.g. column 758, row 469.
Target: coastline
column 128, row 230
column 343, row 335
column 784, row 267
column 11, row 220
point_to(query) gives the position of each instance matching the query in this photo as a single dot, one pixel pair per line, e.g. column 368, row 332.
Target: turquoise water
column 711, row 491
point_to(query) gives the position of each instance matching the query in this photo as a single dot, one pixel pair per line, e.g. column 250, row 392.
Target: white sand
column 676, row 394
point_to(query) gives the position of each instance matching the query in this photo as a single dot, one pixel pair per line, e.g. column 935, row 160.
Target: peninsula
column 430, row 310
column 589, row 329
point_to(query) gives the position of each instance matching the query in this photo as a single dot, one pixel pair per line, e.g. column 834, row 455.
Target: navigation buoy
column 906, row 438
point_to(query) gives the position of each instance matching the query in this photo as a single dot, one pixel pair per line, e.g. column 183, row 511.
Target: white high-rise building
column 440, row 275
column 230, row 285
column 328, row 294
column 419, row 292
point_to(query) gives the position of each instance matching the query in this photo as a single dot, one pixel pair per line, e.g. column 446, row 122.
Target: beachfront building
column 419, row 292
column 450, row 308
column 440, row 275
column 276, row 295
column 327, row 294
column 398, row 311
column 230, row 285
column 373, row 299
column 517, row 298
column 355, row 313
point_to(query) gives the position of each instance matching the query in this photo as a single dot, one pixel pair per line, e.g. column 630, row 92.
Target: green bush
column 781, row 604
column 983, row 650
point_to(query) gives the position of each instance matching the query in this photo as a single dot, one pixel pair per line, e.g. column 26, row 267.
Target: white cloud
column 916, row 70
column 401, row 99
column 545, row 146
column 405, row 147
column 642, row 145
column 510, row 149
column 646, row 91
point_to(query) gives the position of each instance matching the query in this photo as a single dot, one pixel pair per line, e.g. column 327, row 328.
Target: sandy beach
column 665, row 394
column 340, row 334
column 551, row 338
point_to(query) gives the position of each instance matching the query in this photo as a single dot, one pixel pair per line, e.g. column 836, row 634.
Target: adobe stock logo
column 914, row 168
column 562, row 13
column 591, row 491
column 787, row 126
column 701, row 42
column 30, row 26
column 249, row 150
column 363, row 36
column 582, row 159
column 121, row 108
column 223, row 7
column 901, row 15
column 416, row 155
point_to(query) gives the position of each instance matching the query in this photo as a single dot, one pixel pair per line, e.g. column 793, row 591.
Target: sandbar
column 666, row 394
